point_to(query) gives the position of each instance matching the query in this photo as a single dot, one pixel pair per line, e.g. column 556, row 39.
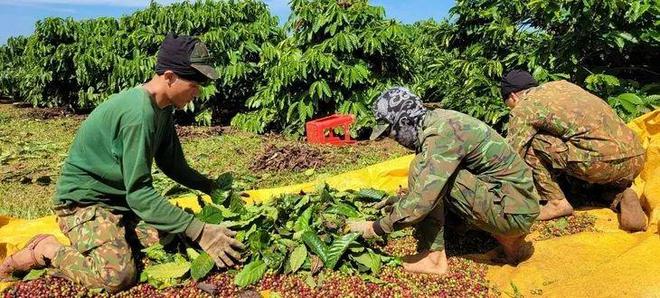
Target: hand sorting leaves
column 365, row 228
column 293, row 233
column 220, row 244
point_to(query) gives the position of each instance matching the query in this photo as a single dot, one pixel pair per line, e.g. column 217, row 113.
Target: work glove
column 219, row 243
column 365, row 228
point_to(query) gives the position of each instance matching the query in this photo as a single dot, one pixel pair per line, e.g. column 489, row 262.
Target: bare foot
column 632, row 217
column 430, row 262
column 555, row 208
column 515, row 248
column 35, row 255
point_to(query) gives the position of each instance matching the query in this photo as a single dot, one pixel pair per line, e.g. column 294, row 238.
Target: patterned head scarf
column 401, row 111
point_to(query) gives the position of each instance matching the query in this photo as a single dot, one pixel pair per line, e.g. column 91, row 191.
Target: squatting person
column 461, row 164
column 560, row 129
column 105, row 201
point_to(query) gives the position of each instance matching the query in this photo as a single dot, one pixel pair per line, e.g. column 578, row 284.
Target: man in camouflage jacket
column 461, row 165
column 562, row 130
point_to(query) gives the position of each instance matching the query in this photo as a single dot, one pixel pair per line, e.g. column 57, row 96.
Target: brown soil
column 190, row 132
column 293, row 157
column 49, row 113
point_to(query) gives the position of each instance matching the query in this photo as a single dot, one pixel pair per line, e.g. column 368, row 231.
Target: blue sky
column 18, row 17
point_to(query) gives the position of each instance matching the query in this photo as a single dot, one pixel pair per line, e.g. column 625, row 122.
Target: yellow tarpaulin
column 607, row 263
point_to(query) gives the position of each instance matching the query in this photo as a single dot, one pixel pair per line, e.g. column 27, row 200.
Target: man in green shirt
column 106, row 203
column 461, row 165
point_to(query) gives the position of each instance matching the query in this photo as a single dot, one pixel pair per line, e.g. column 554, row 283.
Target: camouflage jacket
column 591, row 129
column 451, row 141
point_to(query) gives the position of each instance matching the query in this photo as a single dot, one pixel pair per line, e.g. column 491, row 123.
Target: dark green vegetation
column 337, row 55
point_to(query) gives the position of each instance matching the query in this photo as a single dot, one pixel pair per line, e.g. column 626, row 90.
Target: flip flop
column 11, row 265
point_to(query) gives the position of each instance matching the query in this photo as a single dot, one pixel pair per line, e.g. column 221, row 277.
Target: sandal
column 11, row 265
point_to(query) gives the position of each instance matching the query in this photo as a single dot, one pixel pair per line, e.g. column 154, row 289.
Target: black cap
column 515, row 81
column 187, row 57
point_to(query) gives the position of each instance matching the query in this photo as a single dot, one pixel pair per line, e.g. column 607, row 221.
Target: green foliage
column 625, row 96
column 166, row 274
column 201, row 266
column 251, row 273
column 339, row 57
column 297, row 258
column 34, row 274
column 338, row 248
column 283, row 235
column 78, row 64
column 464, row 56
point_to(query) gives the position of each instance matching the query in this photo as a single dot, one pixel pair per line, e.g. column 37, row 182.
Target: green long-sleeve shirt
column 110, row 161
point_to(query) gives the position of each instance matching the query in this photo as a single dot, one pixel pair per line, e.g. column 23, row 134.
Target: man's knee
column 115, row 267
column 118, row 279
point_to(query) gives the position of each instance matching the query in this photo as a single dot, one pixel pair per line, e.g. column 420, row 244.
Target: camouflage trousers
column 547, row 156
column 103, row 246
column 472, row 200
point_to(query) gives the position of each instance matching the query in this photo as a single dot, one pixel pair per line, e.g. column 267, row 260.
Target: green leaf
column 219, row 196
column 192, row 253
column 297, row 258
column 372, row 279
column 210, row 214
column 224, row 181
column 273, row 259
column 201, row 266
column 34, row 274
column 156, row 252
column 315, row 244
column 251, row 273
column 631, row 98
column 371, row 260
column 343, row 209
column 338, row 248
column 302, row 223
column 309, row 280
column 165, row 275
column 629, row 102
column 372, row 194
column 236, row 204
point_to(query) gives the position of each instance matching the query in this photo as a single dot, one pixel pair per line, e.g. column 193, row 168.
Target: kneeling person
column 562, row 130
column 106, row 203
column 462, row 165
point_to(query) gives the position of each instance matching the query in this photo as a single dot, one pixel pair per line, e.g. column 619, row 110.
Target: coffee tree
column 608, row 47
column 339, row 57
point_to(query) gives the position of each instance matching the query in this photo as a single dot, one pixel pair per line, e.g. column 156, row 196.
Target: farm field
column 247, row 130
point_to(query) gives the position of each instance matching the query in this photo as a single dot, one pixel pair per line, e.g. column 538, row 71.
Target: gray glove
column 365, row 228
column 219, row 243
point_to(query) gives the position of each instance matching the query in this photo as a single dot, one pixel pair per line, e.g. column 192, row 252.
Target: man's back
column 484, row 153
column 588, row 125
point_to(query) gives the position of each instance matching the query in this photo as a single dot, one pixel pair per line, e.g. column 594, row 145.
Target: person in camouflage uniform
column 106, row 203
column 461, row 165
column 562, row 130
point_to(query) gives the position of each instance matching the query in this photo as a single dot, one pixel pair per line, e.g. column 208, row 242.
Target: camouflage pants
column 471, row 199
column 547, row 156
column 103, row 243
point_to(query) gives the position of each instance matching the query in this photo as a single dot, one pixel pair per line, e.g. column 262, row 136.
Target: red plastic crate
column 321, row 131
